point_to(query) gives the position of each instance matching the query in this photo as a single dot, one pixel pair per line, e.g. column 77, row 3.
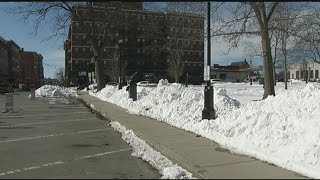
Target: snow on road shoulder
column 283, row 130
column 167, row 169
column 54, row 91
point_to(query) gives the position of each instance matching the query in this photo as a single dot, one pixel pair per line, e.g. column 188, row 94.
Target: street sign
column 206, row 73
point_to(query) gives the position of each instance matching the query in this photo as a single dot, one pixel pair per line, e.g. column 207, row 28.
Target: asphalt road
column 49, row 138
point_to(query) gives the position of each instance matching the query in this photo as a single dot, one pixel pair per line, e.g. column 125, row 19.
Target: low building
column 235, row 72
column 305, row 71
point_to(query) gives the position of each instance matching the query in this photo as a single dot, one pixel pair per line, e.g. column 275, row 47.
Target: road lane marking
column 53, row 135
column 55, row 114
column 48, row 122
column 61, row 162
column 102, row 154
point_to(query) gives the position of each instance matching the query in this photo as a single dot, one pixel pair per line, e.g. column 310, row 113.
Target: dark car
column 112, row 83
column 5, row 88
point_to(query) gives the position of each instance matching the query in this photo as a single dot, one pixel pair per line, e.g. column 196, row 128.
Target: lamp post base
column 208, row 112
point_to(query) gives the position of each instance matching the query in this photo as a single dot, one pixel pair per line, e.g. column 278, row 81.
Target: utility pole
column 208, row 111
column 120, row 46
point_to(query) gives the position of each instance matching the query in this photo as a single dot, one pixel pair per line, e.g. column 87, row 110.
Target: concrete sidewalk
column 203, row 158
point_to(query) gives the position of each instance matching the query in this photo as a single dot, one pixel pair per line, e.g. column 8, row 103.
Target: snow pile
column 54, row 91
column 283, row 130
column 167, row 169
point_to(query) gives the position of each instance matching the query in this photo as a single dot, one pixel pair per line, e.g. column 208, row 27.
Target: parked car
column 282, row 80
column 214, row 81
column 5, row 88
column 112, row 83
column 143, row 83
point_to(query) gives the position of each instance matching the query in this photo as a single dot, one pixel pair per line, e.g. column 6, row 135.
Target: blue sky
column 13, row 28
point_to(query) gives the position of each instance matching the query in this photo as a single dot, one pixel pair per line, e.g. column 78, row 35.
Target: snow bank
column 54, row 91
column 167, row 169
column 283, row 130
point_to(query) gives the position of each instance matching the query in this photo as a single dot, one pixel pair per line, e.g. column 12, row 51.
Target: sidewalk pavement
column 204, row 158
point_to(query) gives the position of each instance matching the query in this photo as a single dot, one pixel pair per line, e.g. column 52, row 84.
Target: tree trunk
column 274, row 74
column 99, row 74
column 267, row 63
column 274, row 64
column 176, row 78
column 99, row 70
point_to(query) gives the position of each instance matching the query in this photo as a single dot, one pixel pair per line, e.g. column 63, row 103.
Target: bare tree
column 308, row 36
column 60, row 14
column 114, row 66
column 169, row 37
column 59, row 75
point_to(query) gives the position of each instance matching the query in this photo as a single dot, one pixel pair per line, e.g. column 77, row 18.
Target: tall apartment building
column 3, row 60
column 9, row 61
column 143, row 40
column 13, row 65
column 31, row 69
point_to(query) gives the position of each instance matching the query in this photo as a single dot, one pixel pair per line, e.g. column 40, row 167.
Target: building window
column 138, row 40
column 317, row 74
column 292, row 77
column 83, row 49
column 297, row 74
column 142, row 40
column 76, row 49
column 84, row 36
column 105, row 49
column 126, row 39
column 139, row 51
column 311, row 73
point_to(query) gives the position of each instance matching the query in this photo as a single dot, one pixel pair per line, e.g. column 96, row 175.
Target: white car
column 146, row 84
column 214, row 81
column 143, row 83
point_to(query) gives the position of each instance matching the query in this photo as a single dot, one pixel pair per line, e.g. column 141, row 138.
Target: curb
column 156, row 146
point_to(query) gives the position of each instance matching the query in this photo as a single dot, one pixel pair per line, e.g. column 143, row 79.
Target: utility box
column 133, row 87
column 133, row 90
column 32, row 92
column 9, row 102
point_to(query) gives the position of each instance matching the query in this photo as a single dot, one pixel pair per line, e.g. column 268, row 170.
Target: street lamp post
column 208, row 111
column 250, row 73
column 120, row 44
column 306, row 73
column 186, row 65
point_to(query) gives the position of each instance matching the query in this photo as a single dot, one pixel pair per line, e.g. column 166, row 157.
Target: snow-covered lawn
column 283, row 130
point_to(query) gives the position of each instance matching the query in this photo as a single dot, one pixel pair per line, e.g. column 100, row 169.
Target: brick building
column 31, row 69
column 14, row 57
column 3, row 60
column 141, row 42
column 9, row 61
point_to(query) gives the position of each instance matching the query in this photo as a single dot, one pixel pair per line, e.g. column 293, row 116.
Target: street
column 55, row 138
